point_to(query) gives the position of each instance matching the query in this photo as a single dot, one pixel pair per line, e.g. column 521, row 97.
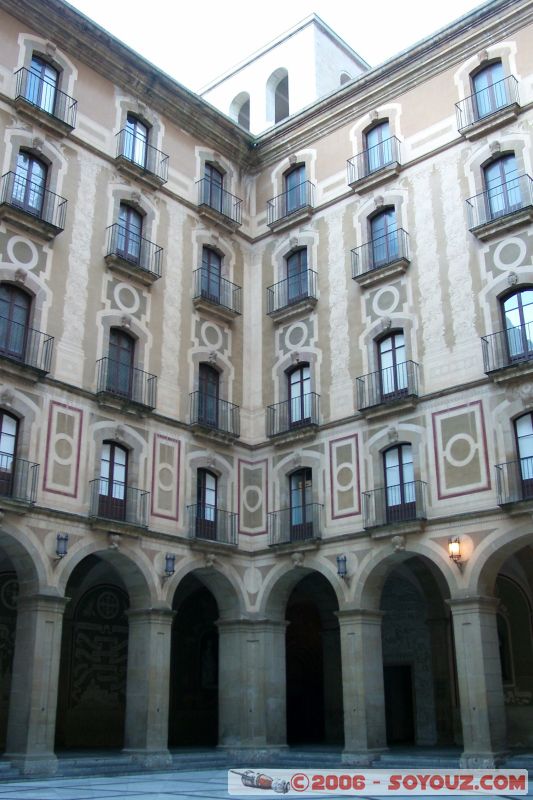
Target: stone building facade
column 254, row 392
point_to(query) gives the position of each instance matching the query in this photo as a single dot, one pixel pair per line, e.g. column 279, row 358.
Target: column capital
column 42, row 601
column 480, row 603
column 346, row 616
column 251, row 623
column 151, row 614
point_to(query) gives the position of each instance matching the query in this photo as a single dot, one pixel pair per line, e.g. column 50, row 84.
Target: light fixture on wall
column 342, row 570
column 61, row 545
column 170, row 564
column 454, row 551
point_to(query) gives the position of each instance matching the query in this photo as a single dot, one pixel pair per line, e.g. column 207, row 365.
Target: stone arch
column 279, row 583
column 27, row 558
column 221, row 582
column 491, row 554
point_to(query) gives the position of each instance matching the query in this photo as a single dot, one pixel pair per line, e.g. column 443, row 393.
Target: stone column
column 362, row 686
column 252, row 686
column 31, row 723
column 480, row 680
column 148, row 683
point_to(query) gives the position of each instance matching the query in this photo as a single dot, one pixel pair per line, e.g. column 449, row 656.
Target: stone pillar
column 439, row 632
column 148, row 683
column 480, row 681
column 31, row 723
column 362, row 685
column 252, row 686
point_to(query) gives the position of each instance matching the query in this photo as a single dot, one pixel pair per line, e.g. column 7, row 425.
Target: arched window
column 502, row 186
column 213, row 187
column 135, row 140
column 393, row 366
column 299, row 395
column 130, row 224
column 41, row 84
column 211, row 273
column 8, row 450
column 297, row 278
column 524, row 445
column 281, row 99
column 384, row 238
column 400, row 493
column 490, row 90
column 517, row 311
column 15, row 307
column 295, row 189
column 240, row 109
column 300, row 487
column 206, row 504
column 378, row 147
column 113, row 481
column 120, row 371
column 208, row 390
column 29, row 184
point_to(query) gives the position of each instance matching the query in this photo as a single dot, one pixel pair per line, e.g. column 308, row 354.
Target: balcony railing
column 297, row 524
column 134, row 249
column 486, row 102
column 374, row 159
column 300, row 412
column 125, row 382
column 218, row 415
column 292, row 290
column 212, row 524
column 136, row 150
column 405, row 502
column 388, row 385
column 380, row 252
column 289, row 202
column 508, row 348
column 212, row 195
column 117, row 502
column 500, row 201
column 25, row 346
column 211, row 287
column 43, row 94
column 31, row 198
column 18, row 479
column 514, row 481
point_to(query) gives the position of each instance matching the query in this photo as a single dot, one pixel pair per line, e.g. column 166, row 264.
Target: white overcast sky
column 195, row 42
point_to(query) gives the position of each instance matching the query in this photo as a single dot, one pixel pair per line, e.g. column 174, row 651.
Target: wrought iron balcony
column 126, row 383
column 293, row 415
column 514, row 481
column 135, row 251
column 296, row 199
column 144, row 159
column 43, row 95
column 25, row 346
column 209, row 286
column 212, row 524
column 394, row 505
column 297, row 524
column 18, row 479
column 388, row 385
column 381, row 252
column 117, row 502
column 210, row 413
column 212, row 195
column 31, row 201
column 292, row 290
column 485, row 103
column 509, row 348
column 381, row 156
column 500, row 201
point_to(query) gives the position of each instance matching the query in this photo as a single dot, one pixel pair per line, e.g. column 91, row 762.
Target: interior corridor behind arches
column 314, row 679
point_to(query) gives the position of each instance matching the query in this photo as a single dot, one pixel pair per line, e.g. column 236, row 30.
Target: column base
column 151, row 759
column 253, row 754
column 33, row 764
column 488, row 760
column 362, row 758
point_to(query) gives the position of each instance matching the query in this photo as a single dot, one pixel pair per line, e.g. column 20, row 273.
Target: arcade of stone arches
column 408, row 650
